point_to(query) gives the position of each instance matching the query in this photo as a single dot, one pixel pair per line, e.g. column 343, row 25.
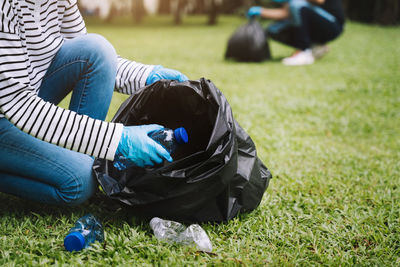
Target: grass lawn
column 328, row 132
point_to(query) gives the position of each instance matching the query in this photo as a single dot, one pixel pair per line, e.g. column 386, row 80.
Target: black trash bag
column 212, row 178
column 248, row 43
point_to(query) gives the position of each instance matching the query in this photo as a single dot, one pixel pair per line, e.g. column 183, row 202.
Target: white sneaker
column 299, row 58
column 319, row 51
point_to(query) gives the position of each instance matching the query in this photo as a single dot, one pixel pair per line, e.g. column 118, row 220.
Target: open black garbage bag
column 212, row 178
column 248, row 43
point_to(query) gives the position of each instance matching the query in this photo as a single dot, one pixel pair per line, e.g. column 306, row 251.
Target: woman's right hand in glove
column 138, row 148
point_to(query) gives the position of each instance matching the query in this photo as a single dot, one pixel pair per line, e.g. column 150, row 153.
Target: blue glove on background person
column 138, row 149
column 159, row 72
column 254, row 11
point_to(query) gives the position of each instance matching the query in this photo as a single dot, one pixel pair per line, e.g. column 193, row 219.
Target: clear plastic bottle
column 168, row 138
column 87, row 230
column 174, row 232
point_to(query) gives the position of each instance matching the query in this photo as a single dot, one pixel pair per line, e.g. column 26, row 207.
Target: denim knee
column 78, row 187
column 101, row 53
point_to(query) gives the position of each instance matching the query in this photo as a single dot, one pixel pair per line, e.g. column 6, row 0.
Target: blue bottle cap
column 74, row 241
column 181, row 135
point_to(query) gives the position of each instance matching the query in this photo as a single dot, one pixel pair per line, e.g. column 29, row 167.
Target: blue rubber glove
column 254, row 11
column 159, row 72
column 136, row 148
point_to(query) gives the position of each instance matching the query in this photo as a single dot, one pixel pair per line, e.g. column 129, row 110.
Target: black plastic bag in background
column 248, row 43
column 212, row 178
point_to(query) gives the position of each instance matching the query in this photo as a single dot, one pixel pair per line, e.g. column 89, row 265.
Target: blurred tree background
column 385, row 12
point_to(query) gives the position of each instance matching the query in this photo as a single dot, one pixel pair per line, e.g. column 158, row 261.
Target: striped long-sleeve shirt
column 31, row 32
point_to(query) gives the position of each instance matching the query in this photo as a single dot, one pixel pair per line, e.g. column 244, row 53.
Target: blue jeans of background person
column 43, row 172
column 308, row 24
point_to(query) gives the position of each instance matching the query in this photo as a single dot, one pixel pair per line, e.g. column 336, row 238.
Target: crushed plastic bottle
column 87, row 230
column 170, row 139
column 174, row 232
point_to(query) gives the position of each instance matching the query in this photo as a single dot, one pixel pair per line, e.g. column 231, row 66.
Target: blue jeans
column 308, row 24
column 36, row 170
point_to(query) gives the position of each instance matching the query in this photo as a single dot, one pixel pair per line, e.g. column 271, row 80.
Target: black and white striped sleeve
column 72, row 24
column 131, row 76
column 20, row 104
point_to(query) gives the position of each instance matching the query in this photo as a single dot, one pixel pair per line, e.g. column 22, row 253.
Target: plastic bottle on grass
column 87, row 230
column 174, row 232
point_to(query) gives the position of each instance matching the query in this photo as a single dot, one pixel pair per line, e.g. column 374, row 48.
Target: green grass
column 328, row 132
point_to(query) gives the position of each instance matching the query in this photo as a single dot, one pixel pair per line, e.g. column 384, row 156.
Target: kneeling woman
column 305, row 25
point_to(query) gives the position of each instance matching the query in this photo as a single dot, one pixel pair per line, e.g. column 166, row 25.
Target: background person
column 46, row 152
column 305, row 25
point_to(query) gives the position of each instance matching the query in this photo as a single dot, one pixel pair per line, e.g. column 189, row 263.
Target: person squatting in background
column 306, row 25
column 47, row 152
